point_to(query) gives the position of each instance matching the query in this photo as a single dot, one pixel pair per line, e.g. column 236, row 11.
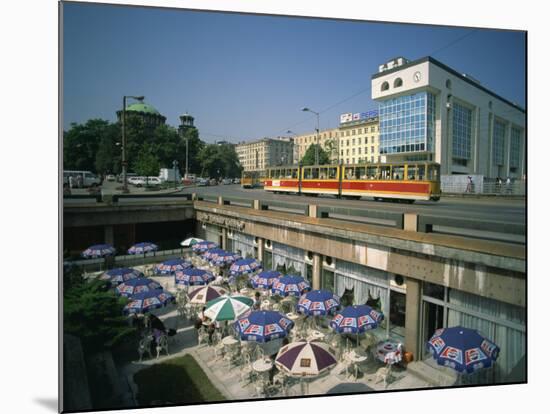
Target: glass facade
column 499, row 131
column 462, row 131
column 515, row 137
column 407, row 123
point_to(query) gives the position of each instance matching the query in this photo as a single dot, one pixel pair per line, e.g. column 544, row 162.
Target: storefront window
column 268, row 260
column 328, row 280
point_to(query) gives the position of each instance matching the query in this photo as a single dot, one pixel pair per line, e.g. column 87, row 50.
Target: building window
column 407, row 123
column 462, row 131
column 385, row 86
column 347, row 143
column 499, row 131
column 353, row 141
column 371, row 140
column 448, row 83
column 353, row 160
column 515, row 139
column 353, row 132
column 397, row 83
column 359, row 150
column 353, row 151
column 347, row 160
column 347, row 151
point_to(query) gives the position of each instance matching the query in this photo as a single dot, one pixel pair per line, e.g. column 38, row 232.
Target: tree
column 147, row 163
column 81, row 143
column 108, row 158
column 92, row 312
column 309, row 156
column 219, row 161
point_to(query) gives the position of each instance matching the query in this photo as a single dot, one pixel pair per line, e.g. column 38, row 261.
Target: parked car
column 128, row 176
column 237, row 181
column 227, row 181
column 154, row 181
column 213, row 182
column 137, row 181
column 110, row 177
column 202, row 182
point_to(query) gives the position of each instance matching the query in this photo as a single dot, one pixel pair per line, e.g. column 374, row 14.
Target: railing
column 293, row 208
column 516, row 188
column 384, row 218
column 238, row 201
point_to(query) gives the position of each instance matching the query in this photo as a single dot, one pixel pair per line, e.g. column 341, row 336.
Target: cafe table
column 387, row 352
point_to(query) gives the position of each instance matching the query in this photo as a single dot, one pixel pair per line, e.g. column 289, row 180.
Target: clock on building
column 417, row 76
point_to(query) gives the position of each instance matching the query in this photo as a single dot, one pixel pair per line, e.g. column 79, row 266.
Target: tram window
column 412, row 172
column 371, row 173
column 294, row 173
column 332, row 173
column 323, row 173
column 349, row 173
column 307, row 173
column 385, row 172
column 288, row 173
column 433, row 172
column 315, row 172
column 421, row 172
column 398, row 172
column 360, row 173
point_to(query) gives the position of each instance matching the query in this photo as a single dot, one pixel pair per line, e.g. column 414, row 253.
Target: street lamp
column 316, row 146
column 124, row 162
column 175, row 165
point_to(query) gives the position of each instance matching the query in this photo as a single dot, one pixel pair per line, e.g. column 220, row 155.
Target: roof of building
column 142, row 107
column 450, row 70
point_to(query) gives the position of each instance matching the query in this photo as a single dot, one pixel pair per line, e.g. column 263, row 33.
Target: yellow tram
column 252, row 179
column 393, row 181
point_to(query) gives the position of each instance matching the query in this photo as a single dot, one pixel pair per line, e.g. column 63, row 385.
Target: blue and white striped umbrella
column 145, row 301
column 225, row 258
column 212, row 253
column 290, row 286
column 193, row 277
column 99, row 250
column 245, row 266
column 170, row 267
column 463, row 349
column 142, row 284
column 121, row 274
column 265, row 279
column 142, row 248
column 318, row 303
column 203, row 246
column 356, row 319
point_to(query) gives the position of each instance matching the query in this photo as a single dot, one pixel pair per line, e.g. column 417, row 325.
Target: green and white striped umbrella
column 227, row 308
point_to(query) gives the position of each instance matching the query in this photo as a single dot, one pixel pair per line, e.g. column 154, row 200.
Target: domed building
column 150, row 116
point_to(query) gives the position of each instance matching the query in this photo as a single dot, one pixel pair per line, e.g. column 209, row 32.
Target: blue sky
column 247, row 76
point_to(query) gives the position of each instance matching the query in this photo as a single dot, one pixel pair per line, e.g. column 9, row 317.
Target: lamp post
column 124, row 161
column 317, row 138
column 175, row 165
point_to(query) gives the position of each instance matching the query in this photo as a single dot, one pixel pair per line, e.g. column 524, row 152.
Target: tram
column 384, row 181
column 252, row 179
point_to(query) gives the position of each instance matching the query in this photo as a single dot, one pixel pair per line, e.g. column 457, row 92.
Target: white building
column 428, row 111
column 266, row 152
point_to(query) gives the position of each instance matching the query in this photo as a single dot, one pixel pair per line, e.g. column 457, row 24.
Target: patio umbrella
column 193, row 277
column 225, row 258
column 227, row 308
column 133, row 286
column 98, row 250
column 463, row 349
column 318, row 303
column 142, row 248
column 211, row 253
column 265, row 279
column 169, row 267
column 356, row 319
column 145, row 301
column 243, row 266
column 290, row 285
column 203, row 294
column 121, row 274
column 203, row 246
column 263, row 326
column 305, row 359
column 190, row 242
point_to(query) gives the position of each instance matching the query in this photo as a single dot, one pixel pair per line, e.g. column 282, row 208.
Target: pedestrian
column 470, row 185
column 508, row 185
column 71, row 182
column 499, row 184
column 257, row 302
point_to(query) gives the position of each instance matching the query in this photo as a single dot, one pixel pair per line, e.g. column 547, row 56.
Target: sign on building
column 346, row 117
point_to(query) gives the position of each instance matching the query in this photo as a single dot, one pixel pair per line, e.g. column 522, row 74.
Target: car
column 137, row 181
column 202, row 182
column 213, row 182
column 237, row 181
column 128, row 176
column 227, row 181
column 154, row 181
column 110, row 177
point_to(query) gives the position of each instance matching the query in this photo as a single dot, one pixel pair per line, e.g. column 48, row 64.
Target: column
column 260, row 245
column 412, row 317
column 224, row 238
column 316, row 277
column 109, row 236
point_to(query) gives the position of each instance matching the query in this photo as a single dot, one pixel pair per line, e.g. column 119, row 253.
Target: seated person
column 257, row 301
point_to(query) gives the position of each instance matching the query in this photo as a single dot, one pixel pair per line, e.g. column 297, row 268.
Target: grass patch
column 176, row 381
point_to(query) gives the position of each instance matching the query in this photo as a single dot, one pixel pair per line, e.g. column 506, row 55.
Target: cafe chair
column 384, row 374
column 145, row 346
column 162, row 345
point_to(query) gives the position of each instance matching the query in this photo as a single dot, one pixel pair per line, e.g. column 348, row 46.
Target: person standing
column 71, row 182
column 508, row 185
column 469, row 186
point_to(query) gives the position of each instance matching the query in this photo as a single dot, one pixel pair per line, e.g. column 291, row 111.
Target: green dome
column 142, row 107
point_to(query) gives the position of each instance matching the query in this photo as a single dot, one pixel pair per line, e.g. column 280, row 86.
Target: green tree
column 195, row 147
column 219, row 161
column 81, row 143
column 146, row 163
column 93, row 313
column 108, row 157
column 309, row 156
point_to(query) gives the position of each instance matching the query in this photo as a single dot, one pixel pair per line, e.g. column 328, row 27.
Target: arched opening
column 385, row 86
column 397, row 83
